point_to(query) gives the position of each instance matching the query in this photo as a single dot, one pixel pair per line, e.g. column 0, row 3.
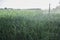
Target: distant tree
column 5, row 8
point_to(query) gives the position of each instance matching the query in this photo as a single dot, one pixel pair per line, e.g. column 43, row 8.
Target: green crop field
column 29, row 25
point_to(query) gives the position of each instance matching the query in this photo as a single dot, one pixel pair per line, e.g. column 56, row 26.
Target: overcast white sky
column 23, row 4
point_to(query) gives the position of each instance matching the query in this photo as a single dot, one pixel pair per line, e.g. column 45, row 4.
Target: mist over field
column 29, row 20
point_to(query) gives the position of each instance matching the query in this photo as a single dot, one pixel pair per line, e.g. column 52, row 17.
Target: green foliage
column 29, row 25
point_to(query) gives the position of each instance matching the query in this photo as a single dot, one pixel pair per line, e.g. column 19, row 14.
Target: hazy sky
column 43, row 4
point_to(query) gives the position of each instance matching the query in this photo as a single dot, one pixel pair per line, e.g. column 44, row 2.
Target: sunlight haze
column 24, row 4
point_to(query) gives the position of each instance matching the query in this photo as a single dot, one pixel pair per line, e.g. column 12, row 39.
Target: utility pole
column 49, row 11
column 49, row 8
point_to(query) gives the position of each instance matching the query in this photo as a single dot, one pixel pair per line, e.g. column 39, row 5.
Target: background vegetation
column 29, row 25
